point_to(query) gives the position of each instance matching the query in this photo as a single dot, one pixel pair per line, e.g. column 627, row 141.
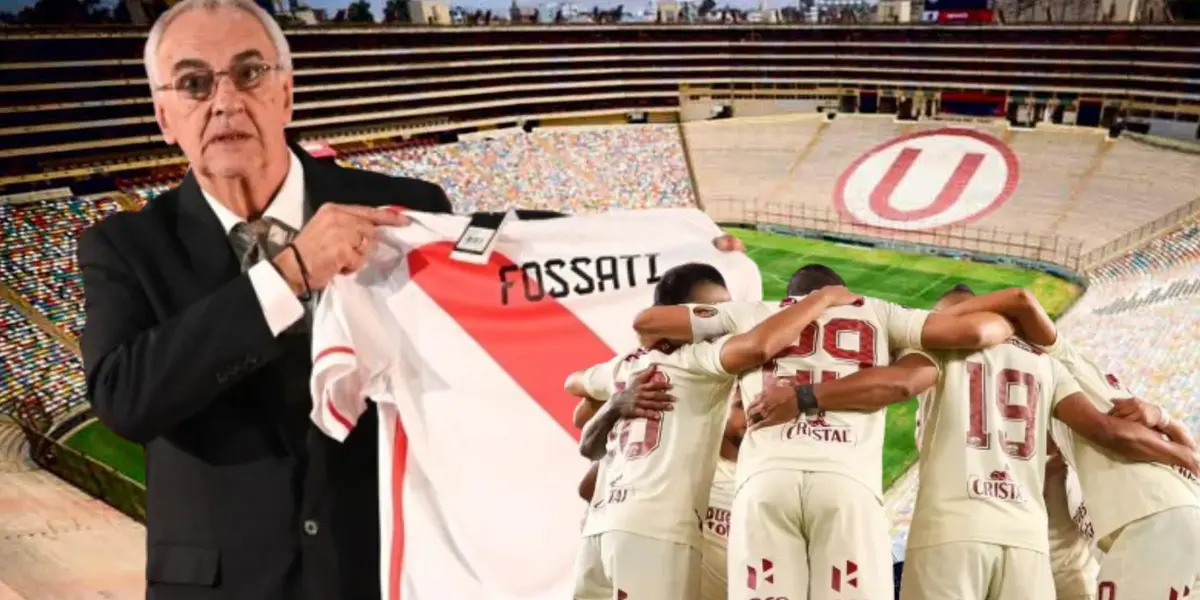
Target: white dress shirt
column 279, row 304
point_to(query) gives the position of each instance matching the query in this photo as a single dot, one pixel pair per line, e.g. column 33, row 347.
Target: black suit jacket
column 245, row 499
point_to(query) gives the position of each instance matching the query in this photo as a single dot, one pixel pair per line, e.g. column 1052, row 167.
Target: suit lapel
column 213, row 262
column 204, row 240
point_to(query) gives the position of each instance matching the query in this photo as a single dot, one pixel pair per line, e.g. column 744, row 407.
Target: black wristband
column 806, row 400
column 307, row 295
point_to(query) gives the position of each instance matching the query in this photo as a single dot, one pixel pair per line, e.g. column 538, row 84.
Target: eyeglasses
column 199, row 85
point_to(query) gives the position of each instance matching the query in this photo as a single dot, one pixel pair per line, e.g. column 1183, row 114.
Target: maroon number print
column 826, row 338
column 978, row 434
column 633, row 449
column 1107, row 590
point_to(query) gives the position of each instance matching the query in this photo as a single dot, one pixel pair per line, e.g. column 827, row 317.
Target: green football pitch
column 907, row 279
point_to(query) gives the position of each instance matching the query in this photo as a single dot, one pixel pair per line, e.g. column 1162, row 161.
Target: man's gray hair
column 156, row 32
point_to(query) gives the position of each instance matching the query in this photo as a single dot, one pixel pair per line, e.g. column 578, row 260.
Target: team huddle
column 738, row 454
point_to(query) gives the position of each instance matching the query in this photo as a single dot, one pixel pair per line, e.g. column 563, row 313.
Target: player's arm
column 1016, row 304
column 587, row 485
column 878, row 387
column 1126, row 438
column 588, row 406
column 912, row 328
column 867, row 390
column 750, row 350
column 584, row 411
column 643, row 398
column 686, row 323
column 965, row 332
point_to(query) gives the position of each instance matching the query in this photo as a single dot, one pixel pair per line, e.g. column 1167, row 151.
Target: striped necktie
column 263, row 239
column 259, row 240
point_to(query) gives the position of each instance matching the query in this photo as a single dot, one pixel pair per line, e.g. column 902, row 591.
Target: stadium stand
column 577, row 169
column 1074, row 183
column 42, row 379
column 1163, row 254
column 75, row 104
column 1140, row 319
column 39, row 244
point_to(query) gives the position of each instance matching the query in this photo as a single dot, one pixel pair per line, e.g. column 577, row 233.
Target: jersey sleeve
column 347, row 355
column 704, row 358
column 903, row 325
column 1064, row 383
column 932, row 357
column 600, row 381
column 732, row 317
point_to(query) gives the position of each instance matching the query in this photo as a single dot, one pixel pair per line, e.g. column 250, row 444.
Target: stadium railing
column 1049, row 249
column 1138, row 237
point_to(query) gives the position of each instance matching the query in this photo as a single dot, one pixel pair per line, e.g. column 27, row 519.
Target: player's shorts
column 620, row 564
column 797, row 535
column 1154, row 557
column 976, row 571
column 713, row 584
column 1072, row 563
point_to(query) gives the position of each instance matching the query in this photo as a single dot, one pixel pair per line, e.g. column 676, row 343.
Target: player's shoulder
column 874, row 309
column 875, row 305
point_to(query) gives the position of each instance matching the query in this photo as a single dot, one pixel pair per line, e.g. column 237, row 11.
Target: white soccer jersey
column 478, row 457
column 1117, row 492
column 983, row 456
column 840, row 342
column 658, row 472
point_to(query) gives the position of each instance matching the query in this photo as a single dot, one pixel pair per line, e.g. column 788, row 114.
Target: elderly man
column 196, row 342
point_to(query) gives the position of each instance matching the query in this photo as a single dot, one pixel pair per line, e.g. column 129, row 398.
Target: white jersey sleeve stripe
column 338, row 391
column 345, row 357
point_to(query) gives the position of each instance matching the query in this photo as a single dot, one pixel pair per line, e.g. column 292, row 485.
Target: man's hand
column 1155, row 417
column 645, row 397
column 1191, row 463
column 838, row 295
column 338, row 239
column 1138, row 411
column 776, row 405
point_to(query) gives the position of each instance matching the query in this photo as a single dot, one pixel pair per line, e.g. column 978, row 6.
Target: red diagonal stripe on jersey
column 399, row 466
column 537, row 343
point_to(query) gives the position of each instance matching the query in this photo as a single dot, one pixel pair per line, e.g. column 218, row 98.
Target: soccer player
column 979, row 529
column 807, row 516
column 1146, row 517
column 643, row 537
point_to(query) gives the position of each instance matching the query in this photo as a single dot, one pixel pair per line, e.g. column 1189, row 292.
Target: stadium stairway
column 801, row 156
column 1083, row 181
column 37, row 318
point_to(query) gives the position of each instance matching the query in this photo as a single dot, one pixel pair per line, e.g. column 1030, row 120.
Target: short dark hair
column 960, row 288
column 811, row 278
column 678, row 283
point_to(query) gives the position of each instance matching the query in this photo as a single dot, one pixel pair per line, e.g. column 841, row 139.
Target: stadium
column 1062, row 158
